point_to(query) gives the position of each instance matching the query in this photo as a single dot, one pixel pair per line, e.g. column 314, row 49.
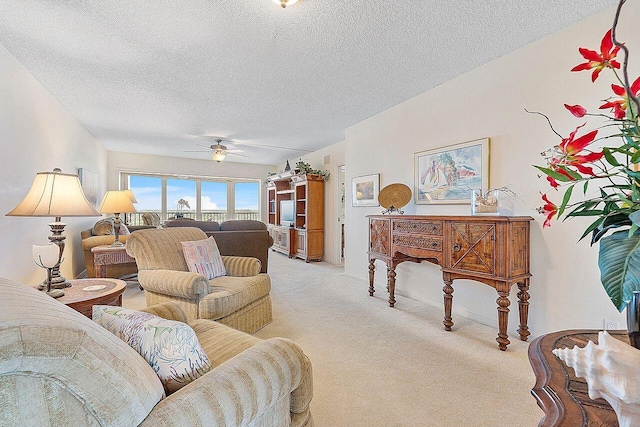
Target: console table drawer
column 417, row 242
column 430, row 228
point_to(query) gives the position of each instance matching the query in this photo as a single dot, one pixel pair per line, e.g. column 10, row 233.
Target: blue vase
column 633, row 319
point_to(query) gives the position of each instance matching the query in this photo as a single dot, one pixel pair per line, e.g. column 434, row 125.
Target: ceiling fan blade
column 235, row 150
column 236, row 154
column 195, row 151
column 274, row 146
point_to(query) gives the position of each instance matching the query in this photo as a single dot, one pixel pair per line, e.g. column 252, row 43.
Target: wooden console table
column 562, row 396
column 490, row 249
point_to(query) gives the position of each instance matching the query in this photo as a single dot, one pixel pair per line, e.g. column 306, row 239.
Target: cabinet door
column 283, row 238
column 473, row 247
column 380, row 236
column 301, row 242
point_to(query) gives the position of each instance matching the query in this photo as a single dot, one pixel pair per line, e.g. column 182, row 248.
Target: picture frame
column 365, row 190
column 89, row 182
column 447, row 175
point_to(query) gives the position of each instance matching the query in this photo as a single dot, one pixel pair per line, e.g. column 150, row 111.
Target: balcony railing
column 213, row 215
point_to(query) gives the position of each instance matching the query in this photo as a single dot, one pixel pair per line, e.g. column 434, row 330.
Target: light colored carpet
column 377, row 366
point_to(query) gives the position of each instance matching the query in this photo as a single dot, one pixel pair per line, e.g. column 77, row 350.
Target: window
column 181, row 198
column 246, row 199
column 205, row 199
column 213, row 201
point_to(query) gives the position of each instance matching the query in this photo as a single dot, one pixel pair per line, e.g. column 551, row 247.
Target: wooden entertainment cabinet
column 490, row 249
column 304, row 237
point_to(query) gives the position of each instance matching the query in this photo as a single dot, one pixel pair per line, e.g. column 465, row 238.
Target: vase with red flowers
column 595, row 171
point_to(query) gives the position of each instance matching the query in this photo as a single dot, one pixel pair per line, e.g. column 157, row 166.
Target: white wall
column 127, row 162
column 490, row 102
column 37, row 134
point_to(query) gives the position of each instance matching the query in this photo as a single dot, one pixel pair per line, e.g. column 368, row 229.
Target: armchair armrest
column 239, row 266
column 183, row 284
column 242, row 389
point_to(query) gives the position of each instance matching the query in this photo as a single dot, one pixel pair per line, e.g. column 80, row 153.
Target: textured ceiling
column 150, row 76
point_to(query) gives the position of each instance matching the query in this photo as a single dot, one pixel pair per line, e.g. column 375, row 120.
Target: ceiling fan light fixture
column 285, row 3
column 219, row 155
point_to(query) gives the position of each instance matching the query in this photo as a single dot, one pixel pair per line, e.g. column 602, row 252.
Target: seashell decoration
column 612, row 371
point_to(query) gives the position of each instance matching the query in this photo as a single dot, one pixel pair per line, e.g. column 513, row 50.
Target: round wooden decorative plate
column 396, row 195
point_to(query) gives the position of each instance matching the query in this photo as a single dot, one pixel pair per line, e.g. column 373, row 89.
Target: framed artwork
column 365, row 189
column 448, row 174
column 89, row 181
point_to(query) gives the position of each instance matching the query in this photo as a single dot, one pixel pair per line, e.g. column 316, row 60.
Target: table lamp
column 47, row 257
column 55, row 194
column 116, row 202
column 133, row 200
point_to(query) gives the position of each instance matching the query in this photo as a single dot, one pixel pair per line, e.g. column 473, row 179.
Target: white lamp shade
column 131, row 196
column 55, row 194
column 47, row 255
column 116, row 201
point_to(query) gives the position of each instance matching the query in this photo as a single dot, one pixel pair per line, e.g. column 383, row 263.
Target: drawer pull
column 456, row 247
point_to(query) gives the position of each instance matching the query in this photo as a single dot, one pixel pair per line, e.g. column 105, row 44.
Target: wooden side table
column 83, row 301
column 562, row 396
column 105, row 255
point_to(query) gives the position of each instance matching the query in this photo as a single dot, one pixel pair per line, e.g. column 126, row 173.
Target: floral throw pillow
column 203, row 256
column 170, row 347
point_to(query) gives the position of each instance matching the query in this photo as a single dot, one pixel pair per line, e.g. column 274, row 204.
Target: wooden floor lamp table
column 562, row 396
column 81, row 296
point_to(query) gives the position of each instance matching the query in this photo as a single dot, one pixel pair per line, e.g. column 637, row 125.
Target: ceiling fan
column 219, row 151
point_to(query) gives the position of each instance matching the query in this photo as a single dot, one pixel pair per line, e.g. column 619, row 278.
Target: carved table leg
column 448, row 299
column 387, row 278
column 523, row 308
column 503, row 319
column 391, row 282
column 372, row 271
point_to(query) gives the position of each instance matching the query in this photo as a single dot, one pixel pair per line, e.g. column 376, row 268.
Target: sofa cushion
column 189, row 222
column 203, row 256
column 242, row 225
column 229, row 294
column 170, row 347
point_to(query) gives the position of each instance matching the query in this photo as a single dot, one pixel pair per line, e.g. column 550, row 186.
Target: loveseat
column 239, row 299
column 59, row 368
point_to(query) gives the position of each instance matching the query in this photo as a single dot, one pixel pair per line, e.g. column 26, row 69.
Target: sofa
column 236, row 237
column 60, row 368
column 239, row 299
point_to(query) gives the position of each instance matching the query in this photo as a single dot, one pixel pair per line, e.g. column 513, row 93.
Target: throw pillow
column 170, row 347
column 203, row 256
column 124, row 230
column 104, row 227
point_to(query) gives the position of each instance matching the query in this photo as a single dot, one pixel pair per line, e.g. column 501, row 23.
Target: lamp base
column 55, row 293
column 117, row 244
column 56, row 283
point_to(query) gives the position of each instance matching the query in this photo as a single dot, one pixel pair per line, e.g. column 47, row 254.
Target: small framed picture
column 447, row 175
column 89, row 182
column 365, row 189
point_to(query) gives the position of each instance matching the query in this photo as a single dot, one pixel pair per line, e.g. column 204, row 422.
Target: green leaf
column 553, row 174
column 612, row 160
column 565, row 200
column 619, row 263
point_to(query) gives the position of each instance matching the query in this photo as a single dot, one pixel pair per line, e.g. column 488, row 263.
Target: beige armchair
column 59, row 368
column 240, row 299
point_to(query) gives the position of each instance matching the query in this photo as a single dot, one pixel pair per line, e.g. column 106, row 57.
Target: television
column 287, row 213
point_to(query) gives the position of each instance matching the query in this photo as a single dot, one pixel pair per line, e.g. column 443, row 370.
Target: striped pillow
column 203, row 256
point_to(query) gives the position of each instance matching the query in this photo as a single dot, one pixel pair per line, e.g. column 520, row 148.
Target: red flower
column 549, row 209
column 619, row 106
column 567, row 153
column 576, row 110
column 599, row 61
